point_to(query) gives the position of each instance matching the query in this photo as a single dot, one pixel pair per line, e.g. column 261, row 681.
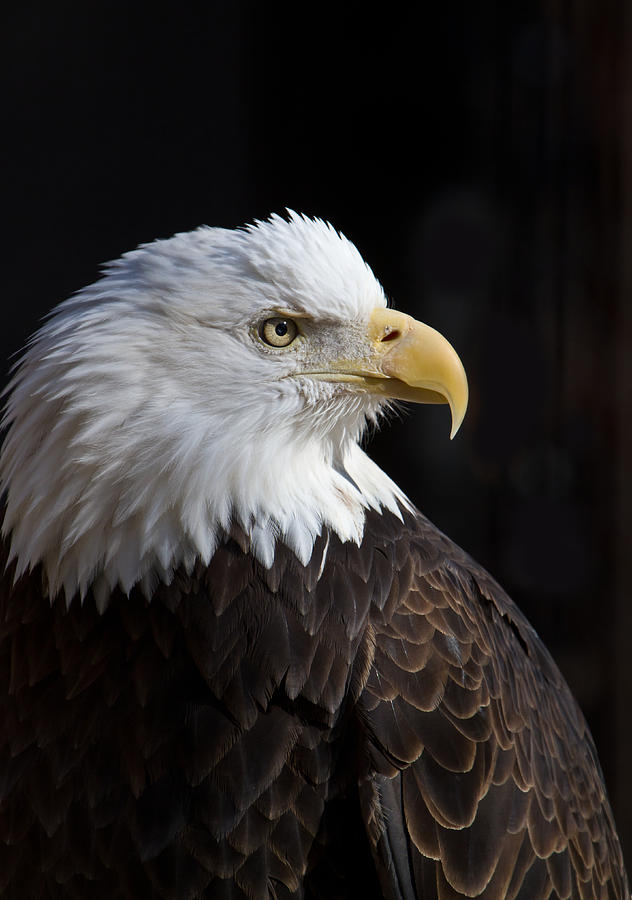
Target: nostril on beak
column 391, row 335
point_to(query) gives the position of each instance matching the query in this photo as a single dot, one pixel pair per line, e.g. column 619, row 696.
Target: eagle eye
column 278, row 332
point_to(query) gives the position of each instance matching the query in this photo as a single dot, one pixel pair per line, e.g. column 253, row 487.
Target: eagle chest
column 202, row 732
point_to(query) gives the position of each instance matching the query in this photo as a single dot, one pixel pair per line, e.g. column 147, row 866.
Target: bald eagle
column 236, row 661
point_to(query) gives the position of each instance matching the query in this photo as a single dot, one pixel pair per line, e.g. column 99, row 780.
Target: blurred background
column 478, row 154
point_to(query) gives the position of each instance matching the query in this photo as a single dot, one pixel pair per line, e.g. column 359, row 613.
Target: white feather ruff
column 146, row 417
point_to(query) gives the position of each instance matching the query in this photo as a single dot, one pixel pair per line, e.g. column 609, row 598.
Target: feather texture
column 387, row 730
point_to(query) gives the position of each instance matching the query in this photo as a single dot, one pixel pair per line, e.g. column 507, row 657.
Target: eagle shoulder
column 484, row 780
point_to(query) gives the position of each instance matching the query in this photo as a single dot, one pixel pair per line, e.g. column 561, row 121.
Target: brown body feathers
column 388, row 727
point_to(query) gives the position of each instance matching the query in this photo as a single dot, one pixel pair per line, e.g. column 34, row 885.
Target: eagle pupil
column 281, row 329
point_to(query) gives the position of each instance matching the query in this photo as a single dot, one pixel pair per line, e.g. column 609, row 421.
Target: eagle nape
column 236, row 661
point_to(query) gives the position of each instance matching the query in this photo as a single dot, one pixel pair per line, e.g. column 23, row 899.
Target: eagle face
column 211, row 379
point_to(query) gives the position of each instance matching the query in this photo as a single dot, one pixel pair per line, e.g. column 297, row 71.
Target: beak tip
column 457, row 418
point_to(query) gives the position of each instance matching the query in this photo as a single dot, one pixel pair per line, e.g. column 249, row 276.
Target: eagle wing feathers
column 493, row 775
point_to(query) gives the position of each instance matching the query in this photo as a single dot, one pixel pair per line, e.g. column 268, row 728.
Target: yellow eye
column 278, row 332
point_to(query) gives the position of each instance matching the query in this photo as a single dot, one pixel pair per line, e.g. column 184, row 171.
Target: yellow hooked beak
column 407, row 360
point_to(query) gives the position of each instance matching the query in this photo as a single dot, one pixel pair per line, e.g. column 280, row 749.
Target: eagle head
column 219, row 378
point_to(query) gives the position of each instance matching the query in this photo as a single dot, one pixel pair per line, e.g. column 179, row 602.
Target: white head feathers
column 145, row 416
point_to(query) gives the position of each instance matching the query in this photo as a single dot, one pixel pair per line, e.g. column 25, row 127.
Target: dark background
column 479, row 155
